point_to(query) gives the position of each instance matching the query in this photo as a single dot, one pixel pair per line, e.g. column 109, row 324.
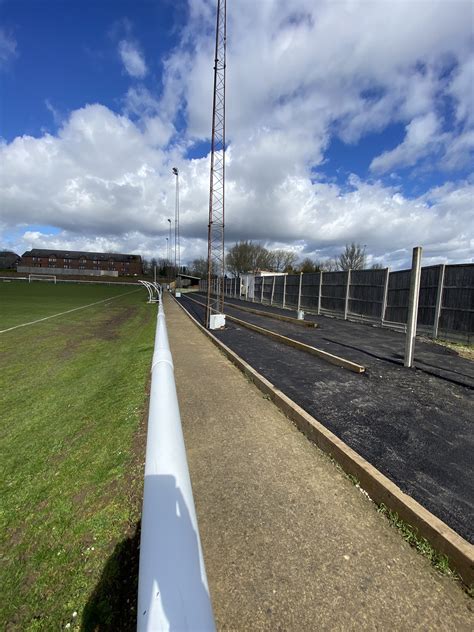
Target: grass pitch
column 73, row 401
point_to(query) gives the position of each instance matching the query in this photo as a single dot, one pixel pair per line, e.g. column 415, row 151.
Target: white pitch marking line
column 67, row 312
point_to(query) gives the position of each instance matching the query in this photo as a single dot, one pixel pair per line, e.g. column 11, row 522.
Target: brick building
column 8, row 260
column 74, row 262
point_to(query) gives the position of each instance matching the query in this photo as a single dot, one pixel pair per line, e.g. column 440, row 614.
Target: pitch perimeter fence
column 446, row 301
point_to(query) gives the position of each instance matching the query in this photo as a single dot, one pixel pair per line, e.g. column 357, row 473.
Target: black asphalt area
column 414, row 425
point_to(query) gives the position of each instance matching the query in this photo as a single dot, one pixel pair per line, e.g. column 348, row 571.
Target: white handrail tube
column 173, row 593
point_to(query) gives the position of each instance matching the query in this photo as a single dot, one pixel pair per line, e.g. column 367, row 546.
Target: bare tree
column 245, row 257
column 353, row 257
column 283, row 260
column 317, row 265
column 307, row 265
column 198, row 267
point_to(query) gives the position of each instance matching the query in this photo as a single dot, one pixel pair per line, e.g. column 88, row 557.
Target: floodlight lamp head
column 175, row 171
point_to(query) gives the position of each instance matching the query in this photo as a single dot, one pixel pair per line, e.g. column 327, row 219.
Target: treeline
column 247, row 257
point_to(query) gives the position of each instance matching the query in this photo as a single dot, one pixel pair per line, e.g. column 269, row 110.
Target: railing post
column 413, row 306
column 284, row 290
column 273, row 291
column 320, row 291
column 348, row 286
column 439, row 300
column 385, row 295
column 299, row 291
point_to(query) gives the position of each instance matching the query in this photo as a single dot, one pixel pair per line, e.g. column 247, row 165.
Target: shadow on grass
column 113, row 604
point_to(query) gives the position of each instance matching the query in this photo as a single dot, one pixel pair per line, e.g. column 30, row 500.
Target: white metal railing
column 153, row 290
column 173, row 593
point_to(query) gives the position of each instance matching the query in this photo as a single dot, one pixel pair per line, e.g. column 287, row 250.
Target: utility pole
column 177, row 254
column 215, row 253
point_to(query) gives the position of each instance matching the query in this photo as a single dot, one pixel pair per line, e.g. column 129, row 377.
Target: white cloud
column 105, row 187
column 132, row 59
column 422, row 137
column 299, row 74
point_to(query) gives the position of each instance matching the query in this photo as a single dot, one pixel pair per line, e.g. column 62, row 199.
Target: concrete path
column 289, row 542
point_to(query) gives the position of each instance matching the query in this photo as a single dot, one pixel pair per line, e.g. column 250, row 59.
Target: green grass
column 74, row 393
column 23, row 302
column 410, row 535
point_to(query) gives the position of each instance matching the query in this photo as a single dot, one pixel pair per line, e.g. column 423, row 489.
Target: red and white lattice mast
column 215, row 255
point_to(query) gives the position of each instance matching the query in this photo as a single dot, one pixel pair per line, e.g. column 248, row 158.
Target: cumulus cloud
column 299, row 74
column 132, row 59
column 422, row 138
column 105, row 187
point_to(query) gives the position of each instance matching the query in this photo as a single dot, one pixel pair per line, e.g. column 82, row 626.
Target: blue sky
column 346, row 121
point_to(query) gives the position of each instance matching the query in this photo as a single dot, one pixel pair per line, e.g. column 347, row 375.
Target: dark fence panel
column 397, row 298
column 366, row 295
column 267, row 288
column 457, row 312
column 366, row 292
column 310, row 290
column 278, row 293
column 333, row 293
column 292, row 288
column 428, row 292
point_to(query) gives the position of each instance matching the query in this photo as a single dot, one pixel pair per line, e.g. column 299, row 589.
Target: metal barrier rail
column 173, row 593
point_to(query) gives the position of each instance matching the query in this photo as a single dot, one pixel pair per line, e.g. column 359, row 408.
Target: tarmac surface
column 289, row 542
column 413, row 426
column 381, row 343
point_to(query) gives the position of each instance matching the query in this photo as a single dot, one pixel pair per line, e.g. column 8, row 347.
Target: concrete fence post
column 413, row 306
column 284, row 290
column 439, row 300
column 273, row 291
column 348, row 287
column 320, row 291
column 299, row 291
column 385, row 295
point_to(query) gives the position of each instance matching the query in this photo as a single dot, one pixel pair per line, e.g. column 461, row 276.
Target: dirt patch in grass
column 108, row 329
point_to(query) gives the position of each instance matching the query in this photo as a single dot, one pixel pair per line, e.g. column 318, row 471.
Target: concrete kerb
column 287, row 319
column 445, row 540
column 323, row 355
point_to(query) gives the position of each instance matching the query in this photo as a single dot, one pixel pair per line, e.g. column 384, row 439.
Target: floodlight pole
column 215, row 252
column 177, row 254
column 169, row 258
